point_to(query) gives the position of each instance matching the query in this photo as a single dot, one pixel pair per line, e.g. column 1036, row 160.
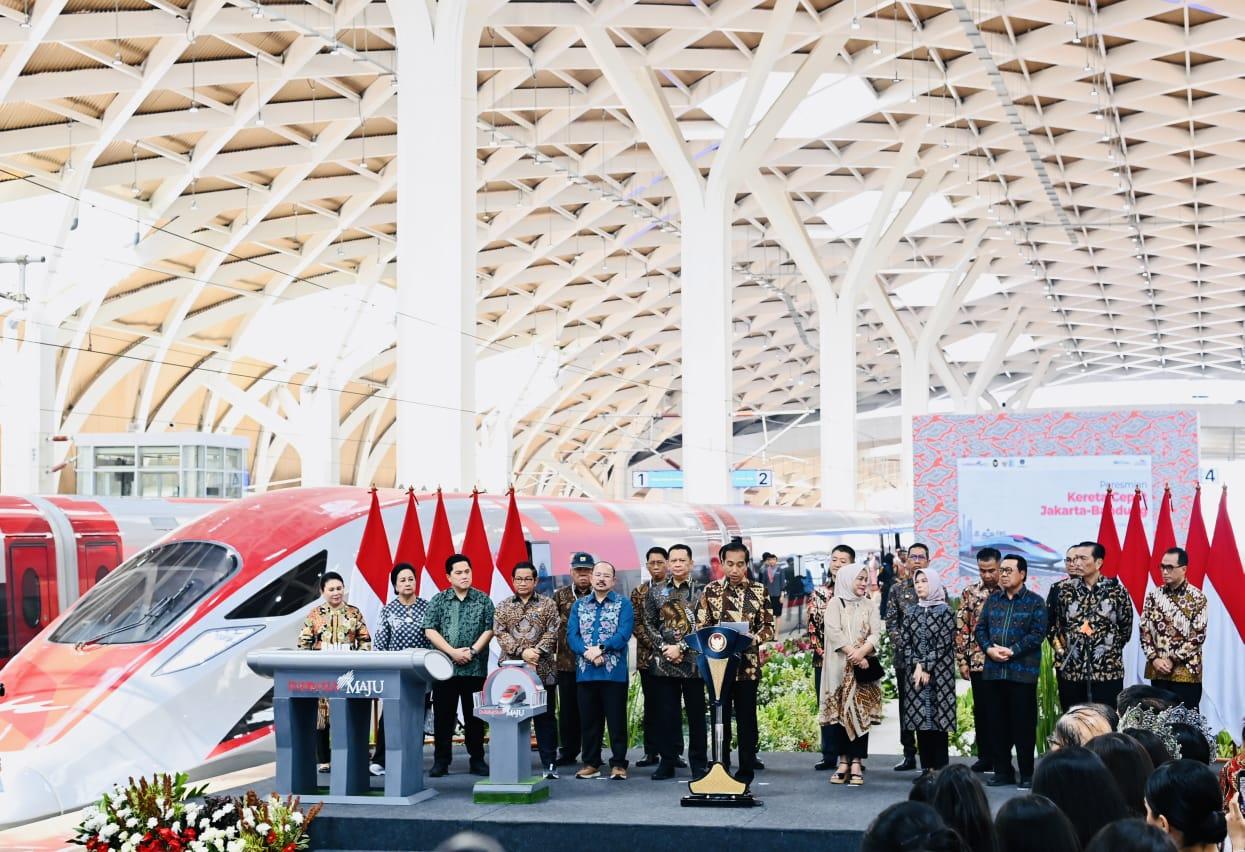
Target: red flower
column 271, row 838
column 289, row 847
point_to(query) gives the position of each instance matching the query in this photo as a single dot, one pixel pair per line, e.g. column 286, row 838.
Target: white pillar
column 708, row 403
column 27, row 395
column 836, row 342
column 319, row 444
column 913, row 400
column 436, row 351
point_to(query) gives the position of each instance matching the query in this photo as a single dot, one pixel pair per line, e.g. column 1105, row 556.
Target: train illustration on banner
column 147, row 671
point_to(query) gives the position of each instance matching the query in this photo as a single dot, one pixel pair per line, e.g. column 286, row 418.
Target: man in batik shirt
column 1173, row 631
column 570, row 735
column 841, row 555
column 734, row 599
column 666, row 618
column 1089, row 625
column 971, row 659
column 655, row 560
column 526, row 628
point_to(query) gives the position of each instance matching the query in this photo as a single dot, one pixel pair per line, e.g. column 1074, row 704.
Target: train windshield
column 146, row 595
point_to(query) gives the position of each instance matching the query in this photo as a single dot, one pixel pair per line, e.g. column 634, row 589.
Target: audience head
column 1078, row 782
column 922, row 788
column 1183, row 799
column 1152, row 743
column 1135, row 835
column 910, row 827
column 1144, row 695
column 961, row 801
column 1034, row 824
column 1078, row 726
column 1129, row 764
column 1193, row 745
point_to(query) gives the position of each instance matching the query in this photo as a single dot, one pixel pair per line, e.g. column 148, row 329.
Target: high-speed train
column 53, row 549
column 146, row 672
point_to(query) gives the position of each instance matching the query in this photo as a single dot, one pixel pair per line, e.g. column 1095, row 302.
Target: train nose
column 25, row 795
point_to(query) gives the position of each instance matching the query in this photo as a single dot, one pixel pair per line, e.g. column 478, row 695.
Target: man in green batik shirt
column 459, row 624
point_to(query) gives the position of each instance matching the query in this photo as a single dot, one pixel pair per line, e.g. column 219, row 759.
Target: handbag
column 872, row 672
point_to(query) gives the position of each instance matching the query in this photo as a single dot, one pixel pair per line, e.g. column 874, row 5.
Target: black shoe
column 1024, row 783
column 478, row 767
column 680, row 763
column 982, row 766
column 699, row 772
column 438, row 770
column 564, row 760
column 825, row 763
column 649, row 760
column 998, row 780
column 905, row 765
column 664, row 771
column 744, row 776
column 757, row 764
column 551, row 772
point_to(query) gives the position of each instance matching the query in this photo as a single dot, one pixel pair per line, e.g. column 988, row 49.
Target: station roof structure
column 214, row 183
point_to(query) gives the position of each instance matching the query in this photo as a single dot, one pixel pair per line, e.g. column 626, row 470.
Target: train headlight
column 207, row 645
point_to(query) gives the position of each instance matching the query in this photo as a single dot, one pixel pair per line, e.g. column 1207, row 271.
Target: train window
column 147, row 594
column 295, row 590
column 31, row 603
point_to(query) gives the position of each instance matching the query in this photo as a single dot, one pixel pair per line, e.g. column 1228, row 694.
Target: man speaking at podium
column 734, row 600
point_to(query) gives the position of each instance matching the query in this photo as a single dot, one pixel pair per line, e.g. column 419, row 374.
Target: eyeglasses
column 1169, row 567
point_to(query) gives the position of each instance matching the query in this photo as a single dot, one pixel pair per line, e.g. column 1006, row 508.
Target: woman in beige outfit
column 853, row 627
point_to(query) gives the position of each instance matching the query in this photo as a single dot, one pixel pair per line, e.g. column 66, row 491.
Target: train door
column 96, row 559
column 31, row 580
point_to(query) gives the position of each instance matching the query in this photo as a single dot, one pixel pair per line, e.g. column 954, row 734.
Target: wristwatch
column 472, row 651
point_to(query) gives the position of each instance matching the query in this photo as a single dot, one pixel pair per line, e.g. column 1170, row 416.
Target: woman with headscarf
column 850, row 707
column 927, row 647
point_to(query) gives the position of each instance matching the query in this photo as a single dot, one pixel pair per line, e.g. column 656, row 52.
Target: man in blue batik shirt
column 597, row 632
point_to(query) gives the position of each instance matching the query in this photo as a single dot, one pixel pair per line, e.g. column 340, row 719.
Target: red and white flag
column 1223, row 697
column 440, row 548
column 1109, row 538
column 1134, row 572
column 1197, row 542
column 513, row 549
column 1164, row 538
column 411, row 541
column 484, row 576
column 369, row 584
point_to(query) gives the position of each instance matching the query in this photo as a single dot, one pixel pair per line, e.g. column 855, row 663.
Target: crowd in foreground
column 1116, row 778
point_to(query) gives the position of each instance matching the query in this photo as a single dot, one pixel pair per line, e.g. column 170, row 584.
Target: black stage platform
column 802, row 810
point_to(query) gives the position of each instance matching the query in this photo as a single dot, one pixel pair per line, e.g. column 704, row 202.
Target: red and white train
column 146, row 672
column 54, row 549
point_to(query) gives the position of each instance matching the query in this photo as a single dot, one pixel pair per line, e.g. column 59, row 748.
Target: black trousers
column 1088, row 692
column 447, row 697
column 546, row 728
column 857, row 749
column 672, row 695
column 775, row 603
column 933, row 748
column 903, row 680
column 1015, row 708
column 323, row 746
column 984, row 721
column 569, row 733
column 602, row 703
column 1190, row 693
column 742, row 707
column 827, row 742
column 652, row 736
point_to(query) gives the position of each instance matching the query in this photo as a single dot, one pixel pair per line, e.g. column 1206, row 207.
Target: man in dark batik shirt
column 667, row 618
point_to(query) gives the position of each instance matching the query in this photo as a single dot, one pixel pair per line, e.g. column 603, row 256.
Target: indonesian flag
column 440, row 548
column 1197, row 543
column 1164, row 537
column 1134, row 570
column 513, row 548
column 1109, row 538
column 411, row 541
column 369, row 584
column 476, row 548
column 1223, row 701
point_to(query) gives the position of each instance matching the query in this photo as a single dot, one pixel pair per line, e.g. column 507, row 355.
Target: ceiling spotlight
column 877, row 48
column 855, row 23
column 1087, row 67
column 336, row 49
column 117, row 61
column 1069, row 21
column 25, row 24
column 194, row 106
column 1093, row 91
column 135, row 191
column 257, row 12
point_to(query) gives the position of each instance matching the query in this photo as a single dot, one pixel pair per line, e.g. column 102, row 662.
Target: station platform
column 801, row 810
